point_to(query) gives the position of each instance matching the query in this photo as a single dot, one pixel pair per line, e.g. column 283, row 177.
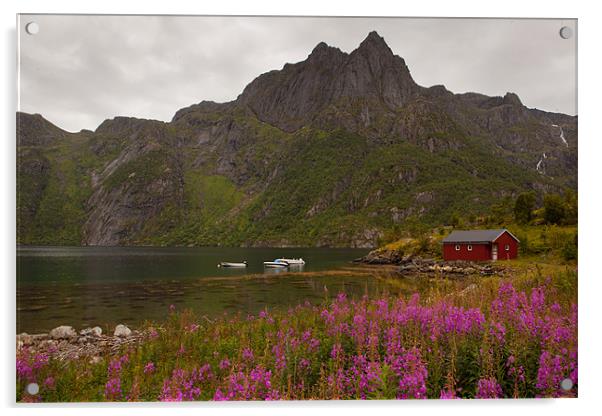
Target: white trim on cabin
column 505, row 231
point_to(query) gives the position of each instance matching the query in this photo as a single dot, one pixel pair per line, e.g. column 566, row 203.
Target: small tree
column 570, row 207
column 554, row 211
column 455, row 220
column 569, row 250
column 523, row 207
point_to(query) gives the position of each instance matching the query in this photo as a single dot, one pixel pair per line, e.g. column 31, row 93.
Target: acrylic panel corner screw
column 32, row 28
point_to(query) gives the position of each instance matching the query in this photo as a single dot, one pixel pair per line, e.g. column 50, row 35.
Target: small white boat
column 231, row 264
column 291, row 261
column 275, row 264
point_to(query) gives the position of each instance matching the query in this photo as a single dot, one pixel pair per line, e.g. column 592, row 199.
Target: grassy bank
column 503, row 337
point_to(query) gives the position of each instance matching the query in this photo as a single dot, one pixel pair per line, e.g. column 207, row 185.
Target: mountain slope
column 333, row 150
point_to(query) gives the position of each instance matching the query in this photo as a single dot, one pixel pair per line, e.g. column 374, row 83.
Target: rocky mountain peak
column 325, row 52
column 375, row 42
column 130, row 127
column 329, row 78
column 320, row 47
column 512, row 99
column 35, row 130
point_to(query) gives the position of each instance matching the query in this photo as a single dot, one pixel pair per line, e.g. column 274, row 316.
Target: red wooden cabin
column 480, row 245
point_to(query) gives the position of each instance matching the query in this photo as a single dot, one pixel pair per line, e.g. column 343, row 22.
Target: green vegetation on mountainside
column 267, row 187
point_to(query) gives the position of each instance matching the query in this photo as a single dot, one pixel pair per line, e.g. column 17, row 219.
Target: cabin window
column 457, row 247
column 469, row 247
column 507, row 247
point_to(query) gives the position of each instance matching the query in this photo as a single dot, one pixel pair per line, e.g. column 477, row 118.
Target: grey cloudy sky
column 79, row 70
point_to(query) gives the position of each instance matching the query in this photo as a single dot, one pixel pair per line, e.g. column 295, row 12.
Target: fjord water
column 88, row 286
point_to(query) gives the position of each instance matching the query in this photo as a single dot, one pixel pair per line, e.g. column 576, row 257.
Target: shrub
column 523, row 208
column 569, row 249
column 554, row 209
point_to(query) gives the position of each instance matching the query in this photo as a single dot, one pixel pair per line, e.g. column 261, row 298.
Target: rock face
column 63, row 332
column 35, row 130
column 294, row 96
column 330, row 151
column 122, row 331
column 381, row 256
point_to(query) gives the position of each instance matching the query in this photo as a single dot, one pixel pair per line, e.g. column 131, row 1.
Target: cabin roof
column 476, row 236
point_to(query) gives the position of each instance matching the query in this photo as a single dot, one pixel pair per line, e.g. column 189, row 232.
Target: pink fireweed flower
column 341, row 297
column 338, row 383
column 50, row 383
column 279, row 357
column 304, row 364
column 256, row 385
column 149, row 367
column 552, row 370
column 447, row 394
column 497, row 331
column 219, row 396
column 153, row 333
column 336, row 351
column 172, row 308
column 116, row 364
column 364, row 376
column 247, row 354
column 224, row 364
column 185, row 385
column 40, row 360
column 113, row 389
column 488, row 388
column 412, row 384
column 29, row 365
column 538, row 299
column 24, row 370
column 313, row 345
column 295, row 343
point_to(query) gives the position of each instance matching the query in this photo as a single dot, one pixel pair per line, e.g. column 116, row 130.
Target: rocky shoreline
column 418, row 265
column 65, row 343
column 409, row 264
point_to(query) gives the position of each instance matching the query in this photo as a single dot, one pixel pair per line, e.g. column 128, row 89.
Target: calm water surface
column 87, row 286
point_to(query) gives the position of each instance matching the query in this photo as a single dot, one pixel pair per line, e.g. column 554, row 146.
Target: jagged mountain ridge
column 332, row 150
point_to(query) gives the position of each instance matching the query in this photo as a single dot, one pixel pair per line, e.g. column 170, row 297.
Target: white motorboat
column 232, row 264
column 291, row 261
column 279, row 264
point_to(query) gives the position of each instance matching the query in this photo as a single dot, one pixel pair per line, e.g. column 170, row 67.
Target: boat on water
column 279, row 264
column 291, row 261
column 232, row 264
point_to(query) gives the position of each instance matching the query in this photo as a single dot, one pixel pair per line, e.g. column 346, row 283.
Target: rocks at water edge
column 409, row 264
column 382, row 256
column 24, row 340
column 63, row 342
column 429, row 266
column 122, row 331
column 93, row 332
column 63, row 332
